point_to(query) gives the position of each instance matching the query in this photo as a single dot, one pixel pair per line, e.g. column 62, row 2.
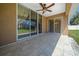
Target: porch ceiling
column 56, row 9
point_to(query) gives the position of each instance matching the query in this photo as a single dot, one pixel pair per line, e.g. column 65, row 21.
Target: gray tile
column 42, row 45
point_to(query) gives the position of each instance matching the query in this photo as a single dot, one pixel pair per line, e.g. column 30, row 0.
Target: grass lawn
column 74, row 34
column 23, row 31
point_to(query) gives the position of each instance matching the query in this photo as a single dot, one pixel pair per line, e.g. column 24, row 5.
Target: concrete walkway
column 66, row 46
column 41, row 45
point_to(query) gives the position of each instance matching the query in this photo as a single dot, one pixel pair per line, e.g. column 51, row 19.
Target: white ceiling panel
column 56, row 9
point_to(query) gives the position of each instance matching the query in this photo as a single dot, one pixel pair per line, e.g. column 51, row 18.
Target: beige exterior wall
column 7, row 23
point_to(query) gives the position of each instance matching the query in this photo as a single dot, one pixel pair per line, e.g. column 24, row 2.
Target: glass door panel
column 40, row 24
column 57, row 26
column 33, row 23
column 23, row 22
column 51, row 25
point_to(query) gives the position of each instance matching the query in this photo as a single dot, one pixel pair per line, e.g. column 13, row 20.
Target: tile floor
column 41, row 45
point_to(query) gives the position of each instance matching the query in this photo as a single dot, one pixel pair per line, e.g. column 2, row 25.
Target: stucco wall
column 44, row 25
column 7, row 23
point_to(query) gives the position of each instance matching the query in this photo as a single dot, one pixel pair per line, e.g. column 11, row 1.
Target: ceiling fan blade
column 50, row 5
column 40, row 10
column 41, row 5
column 49, row 10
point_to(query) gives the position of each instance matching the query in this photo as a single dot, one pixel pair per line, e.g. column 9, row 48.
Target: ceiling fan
column 45, row 8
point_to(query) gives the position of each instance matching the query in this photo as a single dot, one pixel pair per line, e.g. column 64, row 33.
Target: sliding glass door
column 29, row 22
column 23, row 22
column 33, row 23
column 40, row 24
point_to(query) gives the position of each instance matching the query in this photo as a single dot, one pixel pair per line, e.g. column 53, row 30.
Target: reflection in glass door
column 51, row 25
column 27, row 22
column 23, row 22
column 33, row 23
column 40, row 24
column 57, row 26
